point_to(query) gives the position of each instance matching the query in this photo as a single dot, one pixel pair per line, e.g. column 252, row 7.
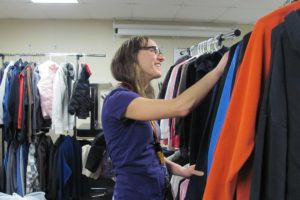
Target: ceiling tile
column 15, row 1
column 274, row 4
column 106, row 1
column 20, row 10
column 236, row 11
column 153, row 2
column 215, row 3
column 154, row 12
column 204, row 14
column 159, row 3
column 244, row 15
column 107, row 11
column 63, row 11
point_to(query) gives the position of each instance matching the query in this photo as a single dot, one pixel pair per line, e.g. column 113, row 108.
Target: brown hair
column 125, row 67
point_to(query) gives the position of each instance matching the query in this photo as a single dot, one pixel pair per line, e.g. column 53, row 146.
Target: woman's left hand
column 188, row 171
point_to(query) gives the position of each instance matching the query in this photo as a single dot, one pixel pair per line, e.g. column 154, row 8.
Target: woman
column 128, row 118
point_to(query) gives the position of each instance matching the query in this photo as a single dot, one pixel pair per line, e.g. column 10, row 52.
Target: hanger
column 84, row 58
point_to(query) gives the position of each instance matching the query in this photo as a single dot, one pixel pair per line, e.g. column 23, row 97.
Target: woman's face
column 149, row 60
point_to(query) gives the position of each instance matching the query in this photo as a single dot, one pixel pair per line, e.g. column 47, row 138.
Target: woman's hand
column 179, row 170
column 188, row 171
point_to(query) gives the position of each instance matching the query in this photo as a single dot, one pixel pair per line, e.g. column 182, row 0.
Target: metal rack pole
column 51, row 54
column 220, row 38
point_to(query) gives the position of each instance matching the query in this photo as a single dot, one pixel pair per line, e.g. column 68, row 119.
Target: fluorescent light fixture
column 168, row 30
column 54, row 1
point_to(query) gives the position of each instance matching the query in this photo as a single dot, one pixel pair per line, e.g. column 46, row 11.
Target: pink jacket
column 47, row 72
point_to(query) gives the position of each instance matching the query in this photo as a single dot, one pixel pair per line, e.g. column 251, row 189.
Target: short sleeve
column 116, row 102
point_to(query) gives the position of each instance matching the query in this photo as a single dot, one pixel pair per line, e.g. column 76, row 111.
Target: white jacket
column 61, row 120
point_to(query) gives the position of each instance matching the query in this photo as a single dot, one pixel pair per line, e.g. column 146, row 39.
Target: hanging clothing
column 196, row 185
column 32, row 181
column 165, row 124
column 61, row 121
column 27, row 114
column 276, row 169
column 2, row 88
column 43, row 146
column 236, row 142
column 222, row 108
column 80, row 103
column 21, row 86
column 47, row 71
column 198, row 116
column 10, row 168
column 65, row 166
column 52, row 184
column 37, row 117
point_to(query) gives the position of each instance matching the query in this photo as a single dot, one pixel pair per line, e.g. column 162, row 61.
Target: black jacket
column 200, row 132
column 96, row 153
column 80, row 103
column 276, row 171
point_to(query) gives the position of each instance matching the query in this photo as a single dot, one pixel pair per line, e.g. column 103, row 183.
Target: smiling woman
column 128, row 119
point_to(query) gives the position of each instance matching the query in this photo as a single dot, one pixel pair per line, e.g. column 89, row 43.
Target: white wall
column 81, row 36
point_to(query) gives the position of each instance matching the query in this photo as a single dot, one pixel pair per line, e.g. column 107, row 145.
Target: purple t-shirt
column 130, row 144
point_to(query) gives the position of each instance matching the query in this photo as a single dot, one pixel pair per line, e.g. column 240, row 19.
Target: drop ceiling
column 214, row 11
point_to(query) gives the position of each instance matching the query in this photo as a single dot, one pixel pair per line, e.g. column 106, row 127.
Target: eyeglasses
column 153, row 49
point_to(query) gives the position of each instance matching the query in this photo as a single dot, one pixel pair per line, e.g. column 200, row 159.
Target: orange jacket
column 230, row 174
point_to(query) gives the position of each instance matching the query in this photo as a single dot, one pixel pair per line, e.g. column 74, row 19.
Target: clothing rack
column 52, row 54
column 210, row 45
column 77, row 55
column 289, row 2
